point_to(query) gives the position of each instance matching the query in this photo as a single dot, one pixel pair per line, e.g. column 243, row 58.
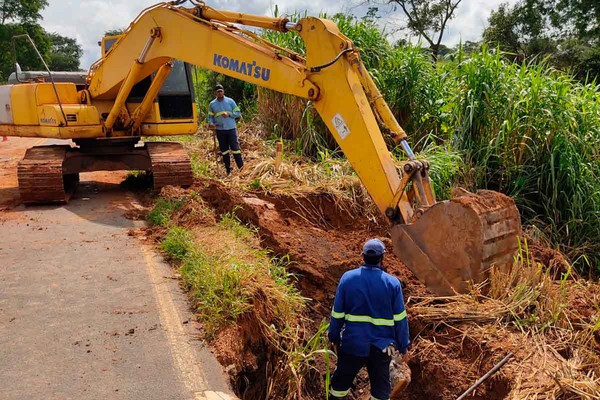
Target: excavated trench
column 324, row 239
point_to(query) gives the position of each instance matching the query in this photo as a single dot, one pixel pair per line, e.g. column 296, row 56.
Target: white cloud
column 87, row 20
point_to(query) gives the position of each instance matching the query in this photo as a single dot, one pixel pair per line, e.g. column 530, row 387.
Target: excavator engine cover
column 455, row 243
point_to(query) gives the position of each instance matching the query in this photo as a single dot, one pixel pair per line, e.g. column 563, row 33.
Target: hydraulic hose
column 330, row 63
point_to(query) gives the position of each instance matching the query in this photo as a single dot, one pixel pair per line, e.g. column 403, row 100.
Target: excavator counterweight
column 142, row 87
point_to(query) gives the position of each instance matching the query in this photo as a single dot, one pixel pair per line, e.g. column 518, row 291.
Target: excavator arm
column 341, row 91
column 449, row 245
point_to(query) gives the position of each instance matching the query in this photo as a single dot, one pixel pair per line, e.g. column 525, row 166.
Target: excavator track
column 41, row 176
column 170, row 165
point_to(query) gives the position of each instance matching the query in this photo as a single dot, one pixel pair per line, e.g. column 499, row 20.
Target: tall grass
column 525, row 130
column 534, row 134
column 548, row 324
column 295, row 119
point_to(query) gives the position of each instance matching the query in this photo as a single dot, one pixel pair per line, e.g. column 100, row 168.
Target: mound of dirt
column 552, row 260
column 322, row 242
column 324, row 239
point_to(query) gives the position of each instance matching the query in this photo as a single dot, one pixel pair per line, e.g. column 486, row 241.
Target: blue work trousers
column 228, row 143
column 378, row 368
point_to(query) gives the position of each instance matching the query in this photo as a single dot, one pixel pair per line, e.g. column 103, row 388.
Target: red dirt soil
column 322, row 249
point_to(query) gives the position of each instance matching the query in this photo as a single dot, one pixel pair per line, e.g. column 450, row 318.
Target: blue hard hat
column 374, row 247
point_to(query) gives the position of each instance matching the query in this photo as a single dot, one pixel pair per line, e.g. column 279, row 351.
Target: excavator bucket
column 455, row 243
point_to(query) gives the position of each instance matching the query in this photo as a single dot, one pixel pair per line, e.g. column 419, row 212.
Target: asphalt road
column 88, row 311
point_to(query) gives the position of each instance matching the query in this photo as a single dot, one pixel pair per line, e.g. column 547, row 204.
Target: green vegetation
column 231, row 222
column 162, row 212
column 234, row 282
column 427, row 19
column 217, row 286
column 565, row 32
column 19, row 17
column 178, row 243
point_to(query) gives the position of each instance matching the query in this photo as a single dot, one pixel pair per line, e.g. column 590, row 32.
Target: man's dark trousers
column 378, row 367
column 228, row 142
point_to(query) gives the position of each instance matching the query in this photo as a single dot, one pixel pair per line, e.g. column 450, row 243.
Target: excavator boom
column 448, row 244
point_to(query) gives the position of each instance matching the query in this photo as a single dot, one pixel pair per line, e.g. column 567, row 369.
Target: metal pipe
column 290, row 26
column 147, row 46
column 486, row 376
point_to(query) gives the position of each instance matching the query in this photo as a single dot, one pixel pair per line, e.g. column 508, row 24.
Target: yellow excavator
column 142, row 87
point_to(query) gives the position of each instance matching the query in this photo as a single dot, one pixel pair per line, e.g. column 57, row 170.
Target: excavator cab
column 175, row 97
column 58, row 105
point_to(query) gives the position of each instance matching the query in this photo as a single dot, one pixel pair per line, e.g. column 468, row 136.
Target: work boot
column 227, row 162
column 238, row 160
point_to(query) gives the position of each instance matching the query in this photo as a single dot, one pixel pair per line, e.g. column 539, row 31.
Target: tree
column 21, row 11
column 25, row 54
column 469, row 47
column 566, row 32
column 114, row 32
column 428, row 19
column 520, row 30
column 18, row 17
column 580, row 18
column 64, row 53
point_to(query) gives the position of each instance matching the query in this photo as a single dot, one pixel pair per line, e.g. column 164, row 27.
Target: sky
column 87, row 20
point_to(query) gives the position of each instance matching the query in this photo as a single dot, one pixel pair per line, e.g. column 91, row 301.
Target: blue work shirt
column 216, row 109
column 368, row 310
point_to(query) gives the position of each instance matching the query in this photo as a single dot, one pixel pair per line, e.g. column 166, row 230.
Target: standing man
column 368, row 324
column 222, row 112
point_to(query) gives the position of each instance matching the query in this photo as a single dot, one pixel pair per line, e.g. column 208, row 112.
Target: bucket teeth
column 455, row 243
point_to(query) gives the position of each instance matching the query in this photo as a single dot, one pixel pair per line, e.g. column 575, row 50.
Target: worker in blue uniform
column 368, row 324
column 222, row 113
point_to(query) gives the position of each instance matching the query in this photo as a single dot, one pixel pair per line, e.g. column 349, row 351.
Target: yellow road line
column 181, row 350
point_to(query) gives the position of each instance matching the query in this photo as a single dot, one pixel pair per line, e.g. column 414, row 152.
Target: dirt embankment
column 321, row 239
column 324, row 241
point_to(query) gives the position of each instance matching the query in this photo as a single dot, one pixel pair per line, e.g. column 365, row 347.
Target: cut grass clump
column 548, row 324
column 163, row 209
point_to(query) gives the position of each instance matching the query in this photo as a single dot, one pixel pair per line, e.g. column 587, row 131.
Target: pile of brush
column 551, row 326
